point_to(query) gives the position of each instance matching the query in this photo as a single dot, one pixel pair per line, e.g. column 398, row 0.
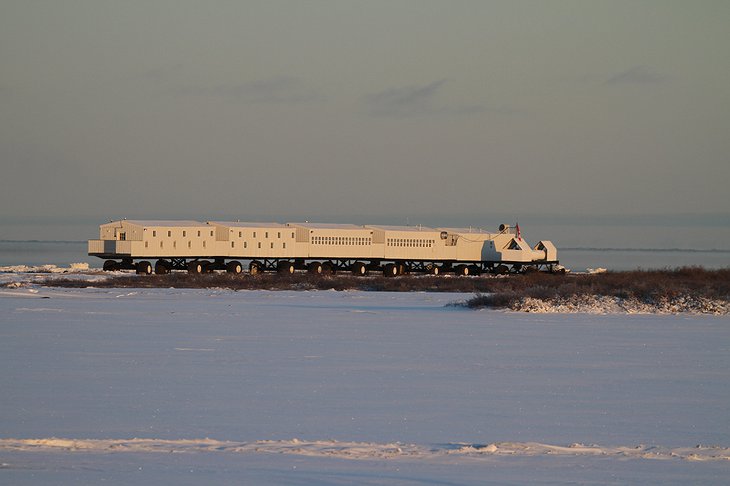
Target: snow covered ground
column 258, row 387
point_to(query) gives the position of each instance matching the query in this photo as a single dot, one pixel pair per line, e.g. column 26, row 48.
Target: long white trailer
column 316, row 247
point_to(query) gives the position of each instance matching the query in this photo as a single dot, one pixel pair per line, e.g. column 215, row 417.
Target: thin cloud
column 406, row 97
column 415, row 100
column 637, row 75
column 280, row 89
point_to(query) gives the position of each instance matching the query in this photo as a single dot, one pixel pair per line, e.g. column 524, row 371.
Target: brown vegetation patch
column 650, row 287
column 492, row 291
column 273, row 281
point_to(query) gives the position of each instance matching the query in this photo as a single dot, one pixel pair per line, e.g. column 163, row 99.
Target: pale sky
column 337, row 109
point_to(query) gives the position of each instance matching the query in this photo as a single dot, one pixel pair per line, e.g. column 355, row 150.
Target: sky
column 363, row 111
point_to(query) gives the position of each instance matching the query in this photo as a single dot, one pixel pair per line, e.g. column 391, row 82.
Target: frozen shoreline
column 365, row 450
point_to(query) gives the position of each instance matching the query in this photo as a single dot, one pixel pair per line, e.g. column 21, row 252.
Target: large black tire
column 390, row 270
column 234, row 267
column 255, row 267
column 285, row 267
column 359, row 269
column 433, row 269
column 162, row 267
column 144, row 268
column 474, row 270
column 110, row 266
column 126, row 264
column 328, row 268
column 501, row 269
column 315, row 268
column 196, row 267
column 462, row 270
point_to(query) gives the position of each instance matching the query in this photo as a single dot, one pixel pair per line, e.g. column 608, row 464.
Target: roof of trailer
column 519, row 242
column 166, row 223
column 415, row 229
column 477, row 231
column 248, row 224
column 328, row 226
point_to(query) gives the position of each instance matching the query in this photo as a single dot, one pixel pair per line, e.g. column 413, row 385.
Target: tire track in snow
column 364, row 450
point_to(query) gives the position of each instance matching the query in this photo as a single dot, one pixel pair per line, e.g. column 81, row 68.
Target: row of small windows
column 341, row 240
column 410, row 242
column 334, row 240
column 245, row 244
column 174, row 244
column 266, row 234
column 184, row 233
column 240, row 234
column 190, row 244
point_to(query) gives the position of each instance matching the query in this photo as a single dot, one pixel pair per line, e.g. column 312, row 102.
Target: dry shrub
column 498, row 300
column 643, row 285
column 542, row 292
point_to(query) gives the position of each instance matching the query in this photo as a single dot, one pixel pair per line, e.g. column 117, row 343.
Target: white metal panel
column 409, row 242
column 548, row 249
column 157, row 239
column 336, row 241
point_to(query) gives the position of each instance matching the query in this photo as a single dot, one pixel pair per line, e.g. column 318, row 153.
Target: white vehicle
column 318, row 248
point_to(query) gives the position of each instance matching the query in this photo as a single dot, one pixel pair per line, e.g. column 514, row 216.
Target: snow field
column 397, row 381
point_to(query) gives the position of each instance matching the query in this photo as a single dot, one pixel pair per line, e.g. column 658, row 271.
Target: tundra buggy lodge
column 317, row 248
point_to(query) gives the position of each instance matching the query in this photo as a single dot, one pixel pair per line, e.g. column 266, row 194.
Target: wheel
column 501, row 269
column 285, row 267
column 433, row 269
column 162, row 267
column 315, row 268
column 359, row 268
column 255, row 267
column 195, row 267
column 234, row 267
column 403, row 269
column 110, row 266
column 461, row 270
column 328, row 268
column 390, row 270
column 474, row 270
column 144, row 268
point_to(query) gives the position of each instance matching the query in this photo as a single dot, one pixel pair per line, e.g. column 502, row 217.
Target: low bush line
column 492, row 291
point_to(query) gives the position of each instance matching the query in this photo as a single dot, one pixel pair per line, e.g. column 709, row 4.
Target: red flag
column 519, row 235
